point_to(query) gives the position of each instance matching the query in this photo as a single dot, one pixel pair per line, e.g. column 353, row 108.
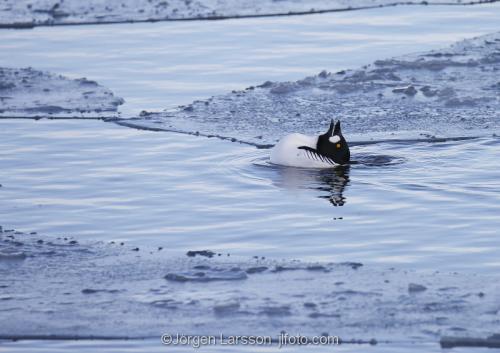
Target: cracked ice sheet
column 14, row 13
column 61, row 287
column 25, row 92
column 452, row 92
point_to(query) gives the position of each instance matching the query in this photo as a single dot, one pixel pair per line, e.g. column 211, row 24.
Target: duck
column 324, row 151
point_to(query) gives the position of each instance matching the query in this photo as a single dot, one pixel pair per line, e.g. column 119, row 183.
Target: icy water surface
column 52, row 12
column 433, row 206
column 429, row 207
column 161, row 65
column 153, row 347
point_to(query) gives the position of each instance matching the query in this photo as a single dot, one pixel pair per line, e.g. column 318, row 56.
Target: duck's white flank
column 287, row 152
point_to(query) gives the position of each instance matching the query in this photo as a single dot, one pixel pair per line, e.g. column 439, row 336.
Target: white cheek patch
column 334, row 139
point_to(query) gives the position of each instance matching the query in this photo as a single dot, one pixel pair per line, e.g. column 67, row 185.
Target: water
column 160, row 65
column 140, row 186
column 409, row 205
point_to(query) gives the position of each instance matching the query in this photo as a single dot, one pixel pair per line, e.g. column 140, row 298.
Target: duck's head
column 333, row 145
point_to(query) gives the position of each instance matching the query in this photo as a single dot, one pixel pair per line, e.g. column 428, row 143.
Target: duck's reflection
column 334, row 182
column 331, row 183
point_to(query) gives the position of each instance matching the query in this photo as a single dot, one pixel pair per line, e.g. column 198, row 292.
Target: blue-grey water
column 428, row 205
column 154, row 347
column 160, row 65
column 417, row 205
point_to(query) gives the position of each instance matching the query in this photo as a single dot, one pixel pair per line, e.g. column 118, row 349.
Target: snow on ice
column 60, row 287
column 25, row 92
column 448, row 93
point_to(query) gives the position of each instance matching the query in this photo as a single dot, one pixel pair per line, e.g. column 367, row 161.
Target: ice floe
column 448, row 93
column 63, row 288
column 22, row 14
column 26, row 92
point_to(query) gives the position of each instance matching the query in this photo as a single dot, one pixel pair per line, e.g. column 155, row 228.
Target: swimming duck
column 323, row 151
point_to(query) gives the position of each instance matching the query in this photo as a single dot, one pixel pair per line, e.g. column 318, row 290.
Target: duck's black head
column 333, row 145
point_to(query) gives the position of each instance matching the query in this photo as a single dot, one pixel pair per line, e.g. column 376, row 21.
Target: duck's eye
column 338, row 145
